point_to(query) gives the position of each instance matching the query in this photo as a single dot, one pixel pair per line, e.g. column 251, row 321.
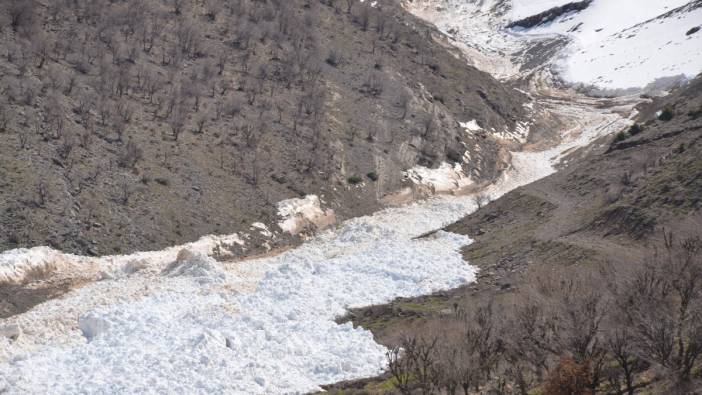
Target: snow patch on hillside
column 19, row 264
column 444, row 179
column 22, row 264
column 628, row 43
column 471, row 126
column 297, row 213
column 611, row 45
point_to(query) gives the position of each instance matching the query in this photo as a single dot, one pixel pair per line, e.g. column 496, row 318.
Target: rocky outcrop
column 550, row 15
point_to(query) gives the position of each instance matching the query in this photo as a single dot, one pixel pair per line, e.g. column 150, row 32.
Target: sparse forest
column 569, row 331
column 175, row 111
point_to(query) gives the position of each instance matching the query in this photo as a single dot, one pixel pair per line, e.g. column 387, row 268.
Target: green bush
column 635, row 129
column 353, row 180
column 373, row 176
column 621, row 136
column 666, row 115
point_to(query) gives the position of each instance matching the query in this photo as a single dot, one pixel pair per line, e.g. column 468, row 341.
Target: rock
column 185, row 255
column 200, row 266
column 134, row 266
column 11, row 331
column 92, row 325
column 105, row 275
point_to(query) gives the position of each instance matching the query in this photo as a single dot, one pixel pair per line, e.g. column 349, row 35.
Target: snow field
column 613, row 44
column 193, row 335
column 628, row 43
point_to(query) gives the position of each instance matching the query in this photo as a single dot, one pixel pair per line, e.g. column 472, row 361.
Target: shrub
column 568, row 378
column 353, row 180
column 373, row 176
column 635, row 129
column 694, row 114
column 621, row 136
column 13, row 238
column 454, row 156
column 334, row 58
column 666, row 114
column 373, row 85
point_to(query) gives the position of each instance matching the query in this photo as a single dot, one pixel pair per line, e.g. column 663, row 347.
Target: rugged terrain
column 135, row 125
column 570, row 240
column 559, row 292
column 607, row 210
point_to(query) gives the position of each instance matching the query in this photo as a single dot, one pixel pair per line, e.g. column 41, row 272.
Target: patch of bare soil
column 19, row 298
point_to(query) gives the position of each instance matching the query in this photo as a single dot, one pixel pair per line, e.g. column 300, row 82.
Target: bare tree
column 130, row 155
column 222, row 60
column 64, row 149
column 125, row 192
column 400, row 368
column 404, row 103
column 125, row 111
column 23, row 138
column 176, row 121
column 177, row 6
column 4, row 117
column 621, row 345
column 20, row 13
column 104, row 110
column 349, row 5
column 374, row 84
column 201, row 121
column 662, row 303
column 42, row 194
column 363, row 17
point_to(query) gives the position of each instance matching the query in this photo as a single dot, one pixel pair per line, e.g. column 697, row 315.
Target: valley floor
column 180, row 321
column 258, row 326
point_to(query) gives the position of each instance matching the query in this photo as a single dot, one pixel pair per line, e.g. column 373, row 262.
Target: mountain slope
column 608, row 46
column 607, row 209
column 136, row 125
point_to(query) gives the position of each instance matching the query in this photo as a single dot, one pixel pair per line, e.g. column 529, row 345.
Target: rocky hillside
column 130, row 125
column 567, row 245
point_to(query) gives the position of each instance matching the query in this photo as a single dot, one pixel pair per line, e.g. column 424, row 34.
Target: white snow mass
column 266, row 326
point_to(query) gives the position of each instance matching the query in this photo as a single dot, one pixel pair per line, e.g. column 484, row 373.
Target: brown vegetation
column 567, row 335
column 586, row 291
